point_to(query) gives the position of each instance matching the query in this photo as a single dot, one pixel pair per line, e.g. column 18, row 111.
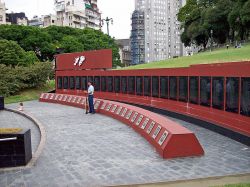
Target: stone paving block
column 95, row 150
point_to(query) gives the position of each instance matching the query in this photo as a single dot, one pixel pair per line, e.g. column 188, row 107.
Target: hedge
column 12, row 80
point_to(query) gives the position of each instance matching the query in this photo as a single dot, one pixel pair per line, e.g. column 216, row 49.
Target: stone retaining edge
column 40, row 147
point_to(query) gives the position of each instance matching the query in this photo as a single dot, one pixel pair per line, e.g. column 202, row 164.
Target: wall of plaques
column 78, row 83
column 131, row 85
column 110, row 84
column 173, row 88
column 164, row 87
column 72, row 83
column 117, row 84
column 139, row 85
column 124, row 84
column 205, row 91
column 103, row 84
column 218, row 92
column 59, row 83
column 65, row 82
column 155, row 86
column 193, row 89
column 147, row 86
column 183, row 89
column 232, row 94
column 84, row 83
column 97, row 83
column 91, row 79
column 245, row 96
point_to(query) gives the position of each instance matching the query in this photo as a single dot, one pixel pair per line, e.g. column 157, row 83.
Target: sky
column 119, row 10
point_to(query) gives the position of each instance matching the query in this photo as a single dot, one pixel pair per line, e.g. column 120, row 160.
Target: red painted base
column 170, row 139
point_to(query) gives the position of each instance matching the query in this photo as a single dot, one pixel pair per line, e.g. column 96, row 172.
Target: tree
column 226, row 18
column 30, row 39
column 193, row 23
column 11, row 54
column 214, row 19
column 30, row 58
column 70, row 44
column 245, row 15
column 44, row 41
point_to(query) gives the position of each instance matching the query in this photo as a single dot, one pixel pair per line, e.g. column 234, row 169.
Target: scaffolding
column 138, row 38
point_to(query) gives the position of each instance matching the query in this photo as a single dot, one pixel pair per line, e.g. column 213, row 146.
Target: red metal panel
column 235, row 122
column 99, row 59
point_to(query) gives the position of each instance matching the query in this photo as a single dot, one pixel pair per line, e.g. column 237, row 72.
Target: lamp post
column 139, row 54
column 211, row 32
column 107, row 20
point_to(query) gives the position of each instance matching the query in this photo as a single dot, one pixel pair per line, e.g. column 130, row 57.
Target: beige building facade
column 78, row 14
column 2, row 13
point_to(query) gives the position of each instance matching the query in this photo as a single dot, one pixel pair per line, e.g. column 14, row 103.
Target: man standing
column 91, row 97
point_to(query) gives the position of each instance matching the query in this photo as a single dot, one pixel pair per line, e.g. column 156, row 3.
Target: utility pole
column 107, row 20
column 211, row 45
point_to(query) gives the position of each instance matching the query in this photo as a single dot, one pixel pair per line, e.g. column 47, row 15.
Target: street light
column 139, row 54
column 211, row 32
column 107, row 20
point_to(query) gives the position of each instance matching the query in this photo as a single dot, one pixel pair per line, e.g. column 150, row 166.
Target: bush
column 12, row 80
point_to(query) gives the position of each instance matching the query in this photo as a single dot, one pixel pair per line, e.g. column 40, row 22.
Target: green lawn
column 30, row 94
column 219, row 55
column 235, row 185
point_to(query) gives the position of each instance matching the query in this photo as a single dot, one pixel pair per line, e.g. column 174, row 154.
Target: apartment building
column 124, row 51
column 17, row 18
column 78, row 13
column 161, row 30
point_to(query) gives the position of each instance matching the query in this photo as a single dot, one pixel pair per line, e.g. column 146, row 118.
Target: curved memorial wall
column 216, row 94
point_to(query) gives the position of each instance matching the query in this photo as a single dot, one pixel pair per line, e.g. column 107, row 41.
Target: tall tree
column 11, row 54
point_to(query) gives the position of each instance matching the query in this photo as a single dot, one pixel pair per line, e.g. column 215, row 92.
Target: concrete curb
column 40, row 147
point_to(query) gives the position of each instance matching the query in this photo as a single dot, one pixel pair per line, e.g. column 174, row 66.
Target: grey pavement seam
column 40, row 147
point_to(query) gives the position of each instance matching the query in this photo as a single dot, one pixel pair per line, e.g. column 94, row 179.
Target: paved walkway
column 95, row 150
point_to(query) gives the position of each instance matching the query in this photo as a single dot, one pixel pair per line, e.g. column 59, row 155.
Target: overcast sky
column 119, row 10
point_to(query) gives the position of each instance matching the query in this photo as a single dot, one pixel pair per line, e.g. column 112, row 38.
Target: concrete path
column 95, row 150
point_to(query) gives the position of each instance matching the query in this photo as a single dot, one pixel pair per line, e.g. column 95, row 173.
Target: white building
column 77, row 13
column 36, row 21
column 161, row 29
column 2, row 13
column 49, row 20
